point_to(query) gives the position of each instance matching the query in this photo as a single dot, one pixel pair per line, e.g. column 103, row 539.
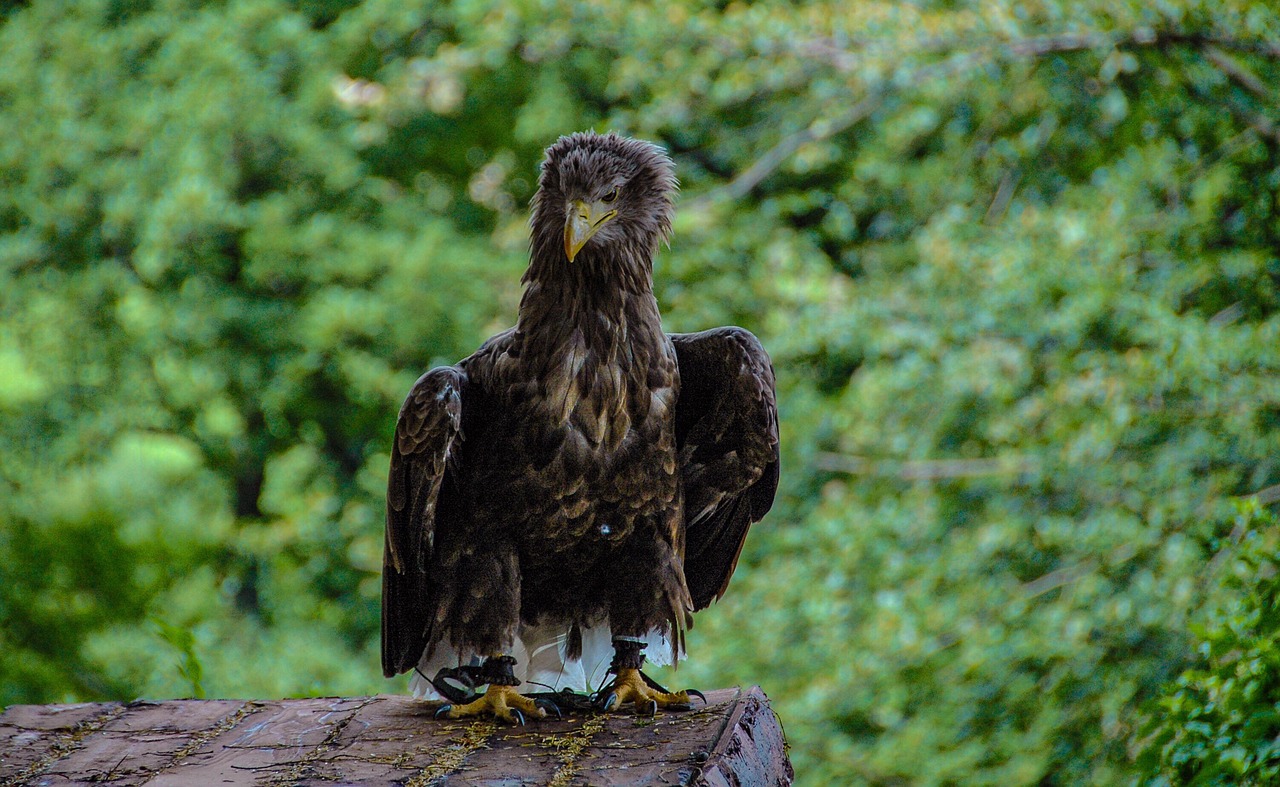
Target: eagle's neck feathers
column 607, row 302
column 594, row 327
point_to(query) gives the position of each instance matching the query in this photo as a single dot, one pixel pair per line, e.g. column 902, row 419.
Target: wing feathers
column 428, row 433
column 727, row 434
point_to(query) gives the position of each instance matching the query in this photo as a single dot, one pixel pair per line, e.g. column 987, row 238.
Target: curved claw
column 651, row 708
column 698, row 694
column 653, row 684
column 443, row 710
column 609, row 700
column 549, row 706
column 517, row 716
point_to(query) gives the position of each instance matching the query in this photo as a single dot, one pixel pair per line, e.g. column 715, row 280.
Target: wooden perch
column 735, row 740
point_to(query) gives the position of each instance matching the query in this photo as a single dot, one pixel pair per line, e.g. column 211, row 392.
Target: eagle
column 567, row 496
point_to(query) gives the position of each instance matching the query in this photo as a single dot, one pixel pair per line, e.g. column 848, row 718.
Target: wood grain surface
column 386, row 740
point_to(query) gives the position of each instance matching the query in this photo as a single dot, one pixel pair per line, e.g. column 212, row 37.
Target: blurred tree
column 1016, row 263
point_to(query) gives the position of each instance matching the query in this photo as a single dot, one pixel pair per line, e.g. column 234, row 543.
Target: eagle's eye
column 611, row 197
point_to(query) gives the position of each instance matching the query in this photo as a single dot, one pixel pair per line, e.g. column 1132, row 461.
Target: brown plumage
column 582, row 471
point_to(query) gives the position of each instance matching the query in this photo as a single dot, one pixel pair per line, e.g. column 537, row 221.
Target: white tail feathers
column 541, row 663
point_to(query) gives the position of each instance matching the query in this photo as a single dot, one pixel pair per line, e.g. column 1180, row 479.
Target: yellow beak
column 585, row 219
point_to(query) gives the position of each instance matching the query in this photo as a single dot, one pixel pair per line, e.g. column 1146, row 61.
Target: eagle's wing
column 428, row 433
column 727, row 434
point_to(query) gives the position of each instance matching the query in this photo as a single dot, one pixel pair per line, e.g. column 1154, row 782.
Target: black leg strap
column 459, row 684
column 627, row 654
column 499, row 671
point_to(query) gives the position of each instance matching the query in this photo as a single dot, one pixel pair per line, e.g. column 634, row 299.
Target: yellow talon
column 630, row 686
column 501, row 702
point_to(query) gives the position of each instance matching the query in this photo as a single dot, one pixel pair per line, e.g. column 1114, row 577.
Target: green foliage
column 1016, row 263
column 184, row 642
column 1218, row 724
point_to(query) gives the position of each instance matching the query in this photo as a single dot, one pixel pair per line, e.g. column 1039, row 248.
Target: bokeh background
column 1016, row 263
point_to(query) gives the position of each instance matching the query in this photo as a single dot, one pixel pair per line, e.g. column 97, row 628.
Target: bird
column 564, row 498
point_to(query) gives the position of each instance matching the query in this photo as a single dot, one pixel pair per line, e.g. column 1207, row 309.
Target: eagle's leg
column 630, row 685
column 500, row 700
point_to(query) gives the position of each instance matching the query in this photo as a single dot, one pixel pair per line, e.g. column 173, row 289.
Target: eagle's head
column 602, row 197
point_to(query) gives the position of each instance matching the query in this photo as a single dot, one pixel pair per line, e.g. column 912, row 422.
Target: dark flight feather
column 727, row 434
column 427, row 432
column 582, row 469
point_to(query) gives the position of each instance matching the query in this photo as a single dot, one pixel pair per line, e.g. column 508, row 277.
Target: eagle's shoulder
column 492, row 364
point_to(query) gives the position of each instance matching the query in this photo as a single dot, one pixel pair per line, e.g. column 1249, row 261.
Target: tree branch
column 1267, row 496
column 1056, row 579
column 1237, row 72
column 1022, row 49
column 925, row 469
column 764, row 166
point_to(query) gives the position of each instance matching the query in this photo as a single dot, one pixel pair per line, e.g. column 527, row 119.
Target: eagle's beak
column 585, row 219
